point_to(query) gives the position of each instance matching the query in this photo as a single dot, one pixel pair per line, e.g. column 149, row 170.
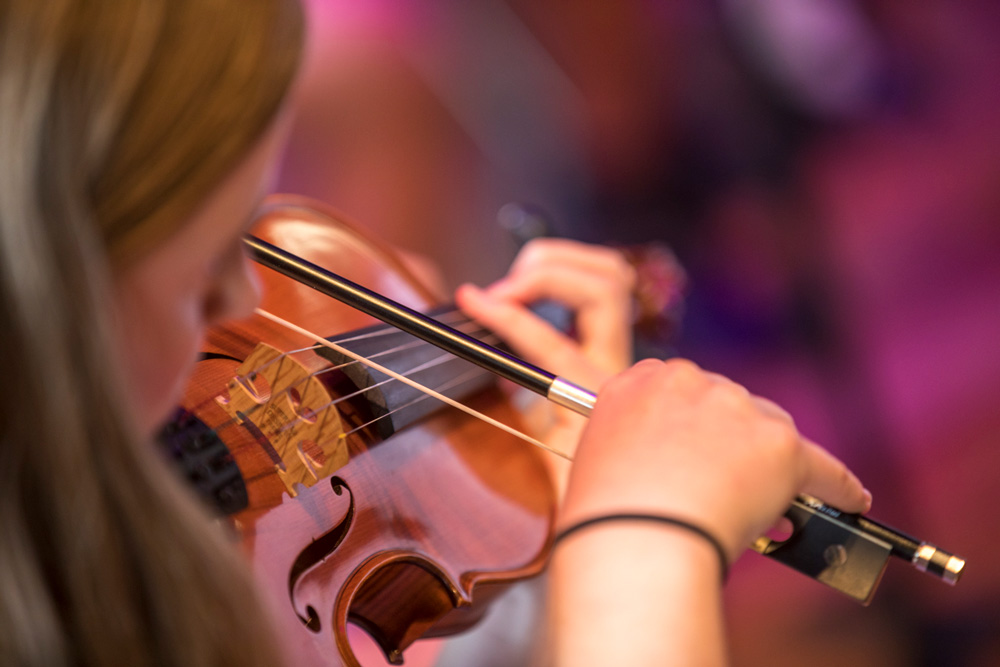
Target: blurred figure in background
column 825, row 171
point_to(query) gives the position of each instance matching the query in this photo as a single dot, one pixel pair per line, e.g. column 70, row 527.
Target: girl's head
column 122, row 118
column 134, row 139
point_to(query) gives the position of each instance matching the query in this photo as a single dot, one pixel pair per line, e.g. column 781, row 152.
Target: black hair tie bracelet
column 679, row 523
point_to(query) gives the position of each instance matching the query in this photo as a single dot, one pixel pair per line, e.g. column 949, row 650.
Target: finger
column 827, row 478
column 589, row 258
column 603, row 307
column 563, row 263
column 530, row 337
column 571, row 285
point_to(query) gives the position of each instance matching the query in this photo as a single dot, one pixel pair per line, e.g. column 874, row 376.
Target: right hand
column 670, row 438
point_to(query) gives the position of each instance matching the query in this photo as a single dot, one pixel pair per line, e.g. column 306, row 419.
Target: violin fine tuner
column 849, row 552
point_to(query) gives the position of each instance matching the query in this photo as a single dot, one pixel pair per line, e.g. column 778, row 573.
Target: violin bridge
column 279, row 400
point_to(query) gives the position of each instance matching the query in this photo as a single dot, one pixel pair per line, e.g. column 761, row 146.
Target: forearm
column 635, row 594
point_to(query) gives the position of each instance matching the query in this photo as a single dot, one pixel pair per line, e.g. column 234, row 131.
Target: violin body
column 408, row 536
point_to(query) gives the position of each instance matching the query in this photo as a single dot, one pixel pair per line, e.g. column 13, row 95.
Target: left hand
column 596, row 283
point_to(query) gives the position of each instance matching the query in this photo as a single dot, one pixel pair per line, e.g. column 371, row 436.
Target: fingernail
column 868, row 499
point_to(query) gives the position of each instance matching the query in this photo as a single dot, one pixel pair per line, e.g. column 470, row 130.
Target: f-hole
column 319, row 550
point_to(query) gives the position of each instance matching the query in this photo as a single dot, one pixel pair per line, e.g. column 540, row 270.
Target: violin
column 356, row 500
column 358, row 503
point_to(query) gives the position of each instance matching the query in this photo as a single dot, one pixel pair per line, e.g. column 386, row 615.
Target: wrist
column 651, row 521
column 655, row 588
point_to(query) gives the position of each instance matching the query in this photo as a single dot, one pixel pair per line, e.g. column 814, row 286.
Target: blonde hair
column 117, row 117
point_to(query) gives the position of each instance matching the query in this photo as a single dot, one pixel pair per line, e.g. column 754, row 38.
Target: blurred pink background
column 826, row 171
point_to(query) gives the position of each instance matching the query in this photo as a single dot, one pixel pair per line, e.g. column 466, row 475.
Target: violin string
column 399, row 348
column 454, row 318
column 457, row 319
column 417, row 343
column 416, row 385
column 440, row 360
column 471, row 331
column 248, row 378
column 427, row 365
column 421, row 397
column 454, row 382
